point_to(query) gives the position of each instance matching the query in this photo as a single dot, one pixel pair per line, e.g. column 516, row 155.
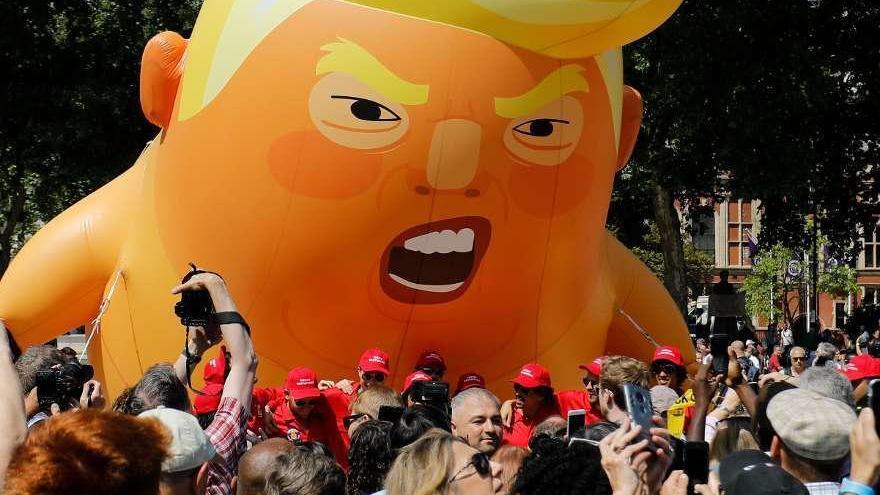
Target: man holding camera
column 227, row 431
column 53, row 383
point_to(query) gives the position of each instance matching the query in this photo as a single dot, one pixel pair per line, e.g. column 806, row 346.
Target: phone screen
column 718, row 344
column 696, row 462
column 576, row 423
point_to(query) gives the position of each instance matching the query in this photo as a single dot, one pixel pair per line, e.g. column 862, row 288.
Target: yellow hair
column 227, row 32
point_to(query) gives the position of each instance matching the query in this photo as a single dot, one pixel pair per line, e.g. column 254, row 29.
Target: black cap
column 752, row 472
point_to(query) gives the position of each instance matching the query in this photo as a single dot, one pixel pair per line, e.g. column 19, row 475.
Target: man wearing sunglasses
column 303, row 415
column 667, row 368
column 372, row 369
column 533, row 403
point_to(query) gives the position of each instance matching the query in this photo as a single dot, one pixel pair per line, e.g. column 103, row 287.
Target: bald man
column 256, row 464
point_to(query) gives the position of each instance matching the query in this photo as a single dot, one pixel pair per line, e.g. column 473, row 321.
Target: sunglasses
column 669, row 369
column 798, row 358
column 519, row 389
column 480, row 462
column 373, row 376
column 589, row 382
column 304, row 403
column 348, row 420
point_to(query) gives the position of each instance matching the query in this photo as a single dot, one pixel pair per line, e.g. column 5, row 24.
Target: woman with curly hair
column 369, row 458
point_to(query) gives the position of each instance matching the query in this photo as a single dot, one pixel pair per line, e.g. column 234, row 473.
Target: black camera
column 62, row 385
column 195, row 308
column 431, row 393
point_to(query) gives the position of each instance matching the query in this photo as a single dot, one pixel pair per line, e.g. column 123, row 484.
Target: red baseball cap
column 533, row 375
column 209, row 400
column 863, row 366
column 469, row 380
column 302, row 383
column 595, row 366
column 374, row 360
column 215, row 369
column 415, row 376
column 431, row 359
column 668, row 353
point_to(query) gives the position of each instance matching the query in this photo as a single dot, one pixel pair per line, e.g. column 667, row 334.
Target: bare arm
column 243, row 361
column 12, row 419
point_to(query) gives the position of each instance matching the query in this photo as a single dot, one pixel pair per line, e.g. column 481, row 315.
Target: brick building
column 723, row 235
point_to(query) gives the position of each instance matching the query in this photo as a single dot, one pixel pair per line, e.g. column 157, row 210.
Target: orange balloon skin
column 300, row 226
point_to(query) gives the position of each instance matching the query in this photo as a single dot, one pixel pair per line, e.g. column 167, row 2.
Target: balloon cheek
column 305, row 163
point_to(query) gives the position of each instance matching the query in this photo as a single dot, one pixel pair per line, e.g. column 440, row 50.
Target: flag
column 753, row 243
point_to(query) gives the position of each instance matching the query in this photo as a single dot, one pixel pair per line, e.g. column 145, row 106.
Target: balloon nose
column 454, row 155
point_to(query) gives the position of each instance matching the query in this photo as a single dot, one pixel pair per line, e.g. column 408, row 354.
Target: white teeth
column 425, row 287
column 446, row 241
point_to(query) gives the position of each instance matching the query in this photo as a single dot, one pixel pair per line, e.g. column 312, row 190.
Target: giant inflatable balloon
column 407, row 174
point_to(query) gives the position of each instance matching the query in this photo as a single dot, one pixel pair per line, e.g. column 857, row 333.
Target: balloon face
column 396, row 175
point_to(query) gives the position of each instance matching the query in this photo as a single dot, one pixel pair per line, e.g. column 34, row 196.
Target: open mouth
column 434, row 262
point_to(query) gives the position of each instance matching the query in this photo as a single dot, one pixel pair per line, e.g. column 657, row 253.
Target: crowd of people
column 789, row 420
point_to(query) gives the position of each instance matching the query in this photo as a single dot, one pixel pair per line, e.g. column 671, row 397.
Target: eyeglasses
column 480, row 462
column 306, row 403
column 373, row 376
column 797, row 358
column 589, row 382
column 669, row 369
column 348, row 420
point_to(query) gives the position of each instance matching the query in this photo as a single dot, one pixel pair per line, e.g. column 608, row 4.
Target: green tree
column 698, row 264
column 71, row 118
column 767, row 99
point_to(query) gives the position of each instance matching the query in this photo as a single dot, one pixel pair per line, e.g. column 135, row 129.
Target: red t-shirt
column 521, row 428
column 774, row 363
column 260, row 398
column 338, row 405
column 320, row 427
column 569, row 400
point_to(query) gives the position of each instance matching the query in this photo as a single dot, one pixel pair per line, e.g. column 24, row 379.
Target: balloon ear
column 630, row 123
column 161, row 68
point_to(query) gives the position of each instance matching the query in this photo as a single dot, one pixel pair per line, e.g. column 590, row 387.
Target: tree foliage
column 71, row 119
column 698, row 263
column 768, row 99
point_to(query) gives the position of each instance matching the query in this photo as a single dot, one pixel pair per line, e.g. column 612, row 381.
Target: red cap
column 469, row 380
column 595, row 366
column 533, row 375
column 431, row 359
column 415, row 376
column 863, row 366
column 374, row 360
column 302, row 383
column 668, row 353
column 209, row 400
column 215, row 369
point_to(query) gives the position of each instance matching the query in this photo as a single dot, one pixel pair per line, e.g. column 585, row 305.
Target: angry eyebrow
column 562, row 81
column 351, row 58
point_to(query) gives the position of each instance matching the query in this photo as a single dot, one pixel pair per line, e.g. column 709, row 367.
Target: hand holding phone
column 638, row 407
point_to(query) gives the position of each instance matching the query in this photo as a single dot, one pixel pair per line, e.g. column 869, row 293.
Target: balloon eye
column 539, row 127
column 369, row 110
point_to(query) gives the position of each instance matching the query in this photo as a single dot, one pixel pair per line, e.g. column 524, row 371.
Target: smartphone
column 874, row 401
column 638, row 407
column 696, row 463
column 577, row 424
column 718, row 344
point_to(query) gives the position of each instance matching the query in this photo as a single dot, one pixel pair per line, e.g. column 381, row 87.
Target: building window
column 703, row 232
column 870, row 294
column 871, row 254
column 839, row 314
column 739, row 224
